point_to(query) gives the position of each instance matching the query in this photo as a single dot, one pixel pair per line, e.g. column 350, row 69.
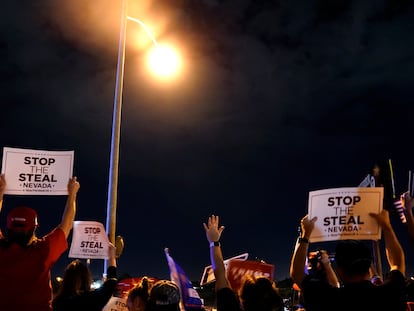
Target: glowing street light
column 162, row 67
column 163, row 60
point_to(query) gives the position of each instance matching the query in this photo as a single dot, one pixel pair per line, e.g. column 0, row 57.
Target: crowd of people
column 346, row 284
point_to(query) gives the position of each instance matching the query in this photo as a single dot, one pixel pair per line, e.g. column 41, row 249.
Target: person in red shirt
column 26, row 260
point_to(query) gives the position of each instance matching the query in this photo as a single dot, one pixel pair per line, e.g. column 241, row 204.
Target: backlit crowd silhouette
column 346, row 282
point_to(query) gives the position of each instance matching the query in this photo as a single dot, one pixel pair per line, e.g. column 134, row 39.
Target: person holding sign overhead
column 408, row 203
column 75, row 292
column 26, row 260
column 353, row 261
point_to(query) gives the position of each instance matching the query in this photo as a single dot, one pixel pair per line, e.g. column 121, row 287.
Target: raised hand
column 213, row 231
column 2, row 184
column 307, row 225
column 73, row 185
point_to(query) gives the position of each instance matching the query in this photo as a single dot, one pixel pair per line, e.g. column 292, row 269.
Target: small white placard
column 89, row 241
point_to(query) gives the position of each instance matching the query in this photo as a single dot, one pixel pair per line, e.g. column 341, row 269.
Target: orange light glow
column 164, row 62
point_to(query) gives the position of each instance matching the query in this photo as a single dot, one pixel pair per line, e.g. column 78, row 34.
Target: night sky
column 275, row 99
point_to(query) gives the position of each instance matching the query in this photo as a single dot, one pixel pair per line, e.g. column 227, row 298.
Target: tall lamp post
column 116, row 124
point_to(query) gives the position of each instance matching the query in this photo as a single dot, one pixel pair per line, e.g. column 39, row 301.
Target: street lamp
column 116, row 123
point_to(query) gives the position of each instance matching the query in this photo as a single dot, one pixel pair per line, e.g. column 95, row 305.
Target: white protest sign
column 343, row 213
column 116, row 304
column 89, row 241
column 37, row 172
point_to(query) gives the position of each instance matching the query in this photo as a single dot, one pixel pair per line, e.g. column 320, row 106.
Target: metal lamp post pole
column 116, row 123
column 116, row 133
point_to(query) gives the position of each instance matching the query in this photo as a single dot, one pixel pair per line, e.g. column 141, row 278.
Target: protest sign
column 89, row 241
column 208, row 273
column 238, row 269
column 343, row 213
column 116, row 304
column 37, row 172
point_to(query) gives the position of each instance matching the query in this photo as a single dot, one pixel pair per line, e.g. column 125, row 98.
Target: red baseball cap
column 22, row 217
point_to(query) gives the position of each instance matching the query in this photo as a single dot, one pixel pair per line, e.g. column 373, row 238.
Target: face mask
column 21, row 237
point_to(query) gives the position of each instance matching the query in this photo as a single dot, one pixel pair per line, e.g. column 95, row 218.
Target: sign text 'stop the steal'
column 343, row 213
column 37, row 172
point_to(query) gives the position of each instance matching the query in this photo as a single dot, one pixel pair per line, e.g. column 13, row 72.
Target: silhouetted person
column 164, row 296
column 26, row 260
column 353, row 261
column 256, row 293
column 138, row 296
column 75, row 292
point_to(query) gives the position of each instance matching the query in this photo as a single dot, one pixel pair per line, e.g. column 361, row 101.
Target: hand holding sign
column 119, row 244
column 2, row 185
column 343, row 213
column 382, row 218
column 307, row 226
column 37, row 172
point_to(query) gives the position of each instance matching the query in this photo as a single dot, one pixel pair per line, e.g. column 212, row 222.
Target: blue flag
column 190, row 297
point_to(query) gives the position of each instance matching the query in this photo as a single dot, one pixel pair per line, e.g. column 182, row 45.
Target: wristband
column 216, row 243
column 303, row 240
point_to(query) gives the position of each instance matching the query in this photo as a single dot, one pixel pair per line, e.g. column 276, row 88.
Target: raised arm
column 394, row 251
column 111, row 255
column 213, row 234
column 331, row 276
column 70, row 208
column 2, row 190
column 298, row 262
column 408, row 203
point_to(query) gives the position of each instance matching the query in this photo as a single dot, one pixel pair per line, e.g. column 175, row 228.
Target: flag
column 189, row 296
column 382, row 175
